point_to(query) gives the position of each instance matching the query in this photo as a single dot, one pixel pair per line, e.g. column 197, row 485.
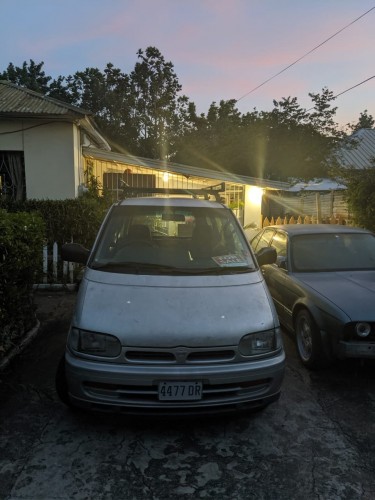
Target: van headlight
column 98, row 344
column 260, row 342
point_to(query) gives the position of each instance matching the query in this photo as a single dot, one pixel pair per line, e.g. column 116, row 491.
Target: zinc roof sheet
column 362, row 154
column 179, row 168
column 19, row 101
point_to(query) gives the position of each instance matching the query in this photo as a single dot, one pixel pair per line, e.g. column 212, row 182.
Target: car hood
column 159, row 311
column 351, row 291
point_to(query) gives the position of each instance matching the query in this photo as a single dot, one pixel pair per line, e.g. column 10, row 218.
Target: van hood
column 161, row 311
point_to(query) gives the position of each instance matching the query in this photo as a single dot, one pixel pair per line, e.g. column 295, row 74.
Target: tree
column 360, row 194
column 211, row 141
column 144, row 113
column 286, row 142
column 159, row 113
column 29, row 75
column 365, row 121
column 140, row 113
column 107, row 94
column 301, row 141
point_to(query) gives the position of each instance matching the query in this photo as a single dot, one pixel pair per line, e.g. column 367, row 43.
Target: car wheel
column 308, row 340
column 61, row 383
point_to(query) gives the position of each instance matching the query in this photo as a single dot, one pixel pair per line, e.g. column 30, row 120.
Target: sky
column 220, row 49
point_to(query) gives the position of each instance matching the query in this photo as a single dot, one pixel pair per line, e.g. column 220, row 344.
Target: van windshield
column 172, row 240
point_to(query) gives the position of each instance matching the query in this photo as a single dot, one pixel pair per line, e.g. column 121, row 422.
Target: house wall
column 52, row 156
column 252, row 205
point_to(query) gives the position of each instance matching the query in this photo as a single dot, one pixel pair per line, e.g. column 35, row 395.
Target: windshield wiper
column 217, row 270
column 131, row 265
column 138, row 267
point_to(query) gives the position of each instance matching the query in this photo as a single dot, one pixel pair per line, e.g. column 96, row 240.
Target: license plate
column 180, row 391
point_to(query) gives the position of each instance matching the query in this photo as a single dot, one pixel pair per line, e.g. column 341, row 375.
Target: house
column 41, row 142
column 50, row 150
column 323, row 199
column 319, row 199
column 361, row 154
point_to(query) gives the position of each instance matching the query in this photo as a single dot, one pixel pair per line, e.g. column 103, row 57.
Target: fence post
column 62, row 273
column 45, row 263
column 54, row 261
column 318, row 208
column 71, row 272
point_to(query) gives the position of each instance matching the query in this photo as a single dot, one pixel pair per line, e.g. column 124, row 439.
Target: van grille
column 179, row 356
column 148, row 395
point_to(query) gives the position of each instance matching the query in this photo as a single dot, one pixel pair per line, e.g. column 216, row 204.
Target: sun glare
column 254, row 195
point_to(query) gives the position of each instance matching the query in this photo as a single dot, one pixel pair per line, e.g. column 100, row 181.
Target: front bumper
column 354, row 349
column 134, row 389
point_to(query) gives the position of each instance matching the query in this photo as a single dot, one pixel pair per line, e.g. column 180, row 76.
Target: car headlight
column 260, row 342
column 98, row 344
column 363, row 329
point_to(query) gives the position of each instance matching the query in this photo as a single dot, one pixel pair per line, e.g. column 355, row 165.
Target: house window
column 12, row 175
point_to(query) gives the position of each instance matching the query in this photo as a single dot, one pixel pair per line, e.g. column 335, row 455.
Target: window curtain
column 16, row 175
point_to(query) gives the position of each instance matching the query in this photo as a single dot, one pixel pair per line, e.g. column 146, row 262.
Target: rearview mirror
column 171, row 216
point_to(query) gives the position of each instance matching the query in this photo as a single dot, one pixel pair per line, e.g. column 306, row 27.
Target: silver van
column 173, row 315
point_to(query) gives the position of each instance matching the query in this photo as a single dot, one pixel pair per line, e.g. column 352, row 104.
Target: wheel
column 308, row 340
column 61, row 383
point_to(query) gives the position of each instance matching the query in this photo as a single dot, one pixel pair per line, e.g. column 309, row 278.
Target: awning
column 178, row 168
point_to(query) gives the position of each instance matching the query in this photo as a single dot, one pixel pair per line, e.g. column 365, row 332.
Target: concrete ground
column 317, row 442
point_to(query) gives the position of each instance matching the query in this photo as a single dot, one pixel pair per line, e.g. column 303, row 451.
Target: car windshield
column 172, row 240
column 333, row 252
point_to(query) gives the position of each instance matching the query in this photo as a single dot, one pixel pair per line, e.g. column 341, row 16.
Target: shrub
column 21, row 238
column 65, row 220
column 360, row 195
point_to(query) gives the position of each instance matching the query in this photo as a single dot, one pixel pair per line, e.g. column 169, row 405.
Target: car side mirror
column 74, row 252
column 266, row 255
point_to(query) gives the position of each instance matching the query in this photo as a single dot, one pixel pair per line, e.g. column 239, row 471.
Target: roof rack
column 215, row 191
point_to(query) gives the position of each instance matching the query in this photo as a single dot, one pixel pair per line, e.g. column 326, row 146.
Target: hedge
column 21, row 238
column 65, row 220
column 24, row 227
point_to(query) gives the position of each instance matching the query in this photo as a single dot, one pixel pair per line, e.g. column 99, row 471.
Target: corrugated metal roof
column 317, row 185
column 362, row 154
column 19, row 101
column 179, row 168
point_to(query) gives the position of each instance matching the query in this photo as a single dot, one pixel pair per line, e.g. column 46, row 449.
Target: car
column 323, row 287
column 251, row 230
column 173, row 315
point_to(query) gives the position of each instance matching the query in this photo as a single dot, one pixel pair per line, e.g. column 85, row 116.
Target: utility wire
column 304, row 55
column 354, row 86
column 347, row 90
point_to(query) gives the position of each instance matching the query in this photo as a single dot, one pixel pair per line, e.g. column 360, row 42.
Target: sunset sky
column 220, row 49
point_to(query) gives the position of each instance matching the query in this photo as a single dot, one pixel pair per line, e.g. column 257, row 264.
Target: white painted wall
column 10, row 140
column 52, row 156
column 253, row 205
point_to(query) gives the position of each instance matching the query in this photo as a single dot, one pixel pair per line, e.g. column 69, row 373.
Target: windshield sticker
column 229, row 260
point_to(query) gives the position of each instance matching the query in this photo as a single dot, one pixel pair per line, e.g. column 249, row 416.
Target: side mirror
column 74, row 252
column 266, row 255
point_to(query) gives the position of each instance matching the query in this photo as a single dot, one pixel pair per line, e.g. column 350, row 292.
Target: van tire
column 61, row 383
